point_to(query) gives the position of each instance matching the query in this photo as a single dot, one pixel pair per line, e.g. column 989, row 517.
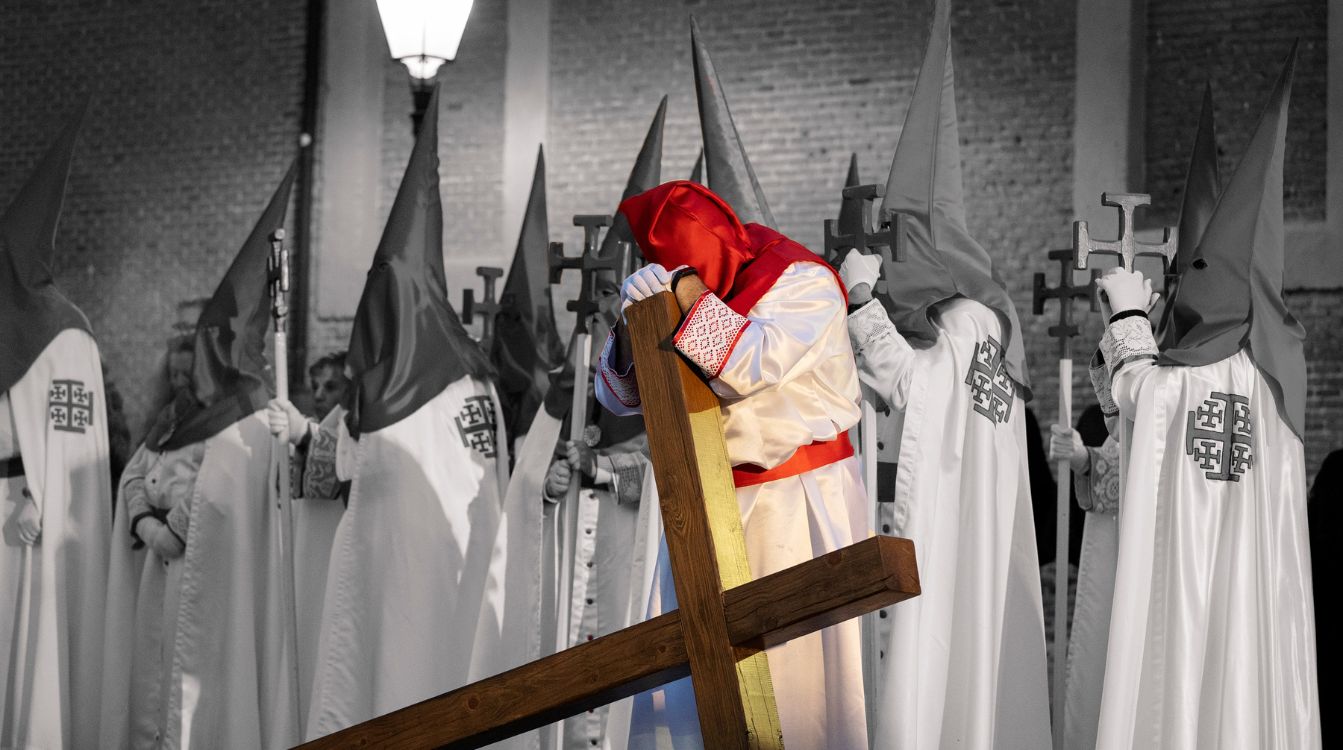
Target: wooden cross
column 724, row 618
column 888, row 241
column 1126, row 247
column 1065, row 293
column 487, row 309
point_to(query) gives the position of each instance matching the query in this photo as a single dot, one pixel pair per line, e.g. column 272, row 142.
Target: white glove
column 859, row 268
column 286, row 420
column 1127, row 290
column 160, row 538
column 1066, row 443
column 644, row 283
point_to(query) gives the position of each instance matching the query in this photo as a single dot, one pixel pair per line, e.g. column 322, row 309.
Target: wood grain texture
column 703, row 529
column 861, row 578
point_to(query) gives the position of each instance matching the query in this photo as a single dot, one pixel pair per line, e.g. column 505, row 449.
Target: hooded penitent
column 1202, row 185
column 942, row 259
column 28, row 290
column 730, row 173
column 1230, row 295
column 697, row 171
column 407, row 344
column 527, row 347
column 230, row 373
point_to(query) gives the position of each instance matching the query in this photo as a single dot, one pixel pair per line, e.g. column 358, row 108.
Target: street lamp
column 423, row 34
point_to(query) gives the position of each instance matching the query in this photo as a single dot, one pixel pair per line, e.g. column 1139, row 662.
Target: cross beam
column 487, row 308
column 1065, row 293
column 589, row 264
column 887, row 241
column 722, row 621
column 1126, row 247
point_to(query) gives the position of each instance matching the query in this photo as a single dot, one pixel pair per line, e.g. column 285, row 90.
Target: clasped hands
column 26, row 521
column 577, row 456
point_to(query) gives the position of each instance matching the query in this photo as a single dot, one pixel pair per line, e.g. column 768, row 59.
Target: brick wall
column 193, row 116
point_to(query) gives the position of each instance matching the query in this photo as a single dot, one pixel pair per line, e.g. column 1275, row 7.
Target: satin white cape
column 410, row 561
column 196, row 652
column 1216, row 644
column 965, row 665
column 52, row 593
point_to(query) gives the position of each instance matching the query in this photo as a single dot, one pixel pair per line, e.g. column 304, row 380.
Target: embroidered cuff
column 1126, row 340
column 178, row 520
column 1104, row 480
column 869, row 323
column 628, row 471
column 623, row 385
column 1100, row 382
column 709, row 333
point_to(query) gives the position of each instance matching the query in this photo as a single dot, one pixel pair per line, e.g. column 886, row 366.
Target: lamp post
column 423, row 35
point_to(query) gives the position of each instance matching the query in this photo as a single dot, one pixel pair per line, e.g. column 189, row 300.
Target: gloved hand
column 557, row 480
column 860, row 272
column 1066, row 443
column 581, row 457
column 644, row 283
column 1126, row 290
column 286, row 420
column 25, row 520
column 160, row 538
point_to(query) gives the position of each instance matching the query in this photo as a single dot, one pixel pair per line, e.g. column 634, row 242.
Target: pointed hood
column 851, row 209
column 32, row 310
column 230, row 374
column 646, row 175
column 1231, row 292
column 730, row 173
column 697, row 171
column 407, row 344
column 943, row 260
column 1202, row 185
column 527, row 345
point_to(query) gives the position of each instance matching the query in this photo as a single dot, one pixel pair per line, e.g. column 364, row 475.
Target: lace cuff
column 1126, row 340
column 628, row 472
column 709, row 333
column 623, row 385
column 1100, row 382
column 869, row 323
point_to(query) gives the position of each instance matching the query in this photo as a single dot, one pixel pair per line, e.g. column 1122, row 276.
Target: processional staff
column 887, row 241
column 588, row 264
column 487, row 308
column 1078, row 258
column 277, row 271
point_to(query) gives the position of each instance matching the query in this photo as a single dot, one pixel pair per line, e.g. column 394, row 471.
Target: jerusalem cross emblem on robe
column 1217, row 435
column 475, row 424
column 70, row 406
column 990, row 388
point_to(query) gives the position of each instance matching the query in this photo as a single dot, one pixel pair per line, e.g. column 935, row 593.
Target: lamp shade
column 424, row 34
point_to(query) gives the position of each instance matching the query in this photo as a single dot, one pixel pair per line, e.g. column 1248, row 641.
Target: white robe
column 965, row 665
column 786, row 378
column 411, row 558
column 197, row 653
column 1216, row 645
column 52, row 594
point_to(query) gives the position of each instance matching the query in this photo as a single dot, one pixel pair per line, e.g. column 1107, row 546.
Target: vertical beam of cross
column 704, row 534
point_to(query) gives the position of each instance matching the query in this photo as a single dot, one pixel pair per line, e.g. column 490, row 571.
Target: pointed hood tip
column 730, row 174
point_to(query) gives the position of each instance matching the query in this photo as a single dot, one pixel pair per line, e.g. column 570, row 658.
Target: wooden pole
column 279, row 287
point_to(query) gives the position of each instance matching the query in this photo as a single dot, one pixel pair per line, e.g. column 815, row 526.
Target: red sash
column 808, row 457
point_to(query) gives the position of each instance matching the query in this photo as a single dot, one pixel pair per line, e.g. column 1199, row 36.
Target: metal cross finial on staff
column 1065, row 293
column 488, row 308
column 277, row 275
column 1126, row 247
column 589, row 264
column 887, row 241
